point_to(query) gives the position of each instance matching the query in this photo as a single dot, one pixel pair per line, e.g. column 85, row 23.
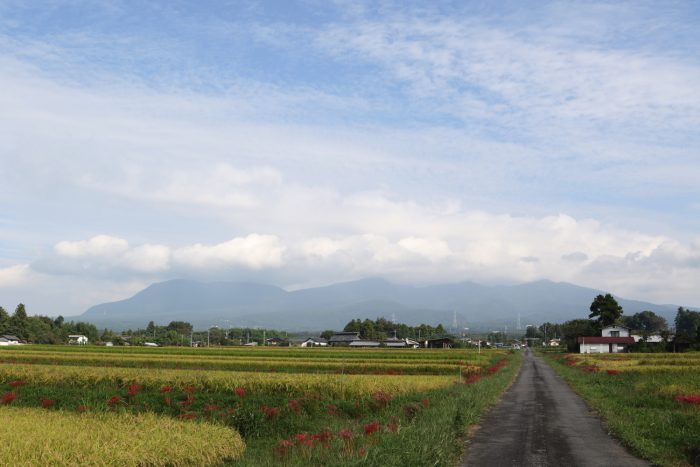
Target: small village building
column 314, row 342
column 4, row 341
column 613, row 339
column 77, row 339
column 343, row 338
column 10, row 339
column 401, row 343
column 441, row 343
column 276, row 341
column 362, row 343
column 653, row 339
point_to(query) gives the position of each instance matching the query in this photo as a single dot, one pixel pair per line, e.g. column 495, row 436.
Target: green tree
column 605, row 310
column 646, row 322
column 687, row 323
column 571, row 330
column 327, row 334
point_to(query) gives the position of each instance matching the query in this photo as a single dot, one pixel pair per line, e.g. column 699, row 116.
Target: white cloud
column 13, row 276
column 99, row 246
column 253, row 251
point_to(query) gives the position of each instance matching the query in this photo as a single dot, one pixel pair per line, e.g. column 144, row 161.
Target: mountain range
column 239, row 304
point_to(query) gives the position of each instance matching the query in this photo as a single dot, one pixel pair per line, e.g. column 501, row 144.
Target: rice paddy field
column 651, row 402
column 244, row 406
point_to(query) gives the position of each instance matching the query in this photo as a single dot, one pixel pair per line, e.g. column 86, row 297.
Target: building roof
column 604, row 340
column 10, row 337
column 359, row 343
column 345, row 337
column 316, row 339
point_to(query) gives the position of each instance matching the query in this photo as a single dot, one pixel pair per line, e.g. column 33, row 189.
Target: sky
column 303, row 143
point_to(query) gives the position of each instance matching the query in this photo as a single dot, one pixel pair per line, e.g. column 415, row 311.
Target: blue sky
column 303, row 143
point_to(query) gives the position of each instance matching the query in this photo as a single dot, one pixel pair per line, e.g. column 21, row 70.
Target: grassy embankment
column 648, row 401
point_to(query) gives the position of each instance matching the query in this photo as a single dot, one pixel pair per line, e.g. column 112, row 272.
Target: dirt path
column 541, row 422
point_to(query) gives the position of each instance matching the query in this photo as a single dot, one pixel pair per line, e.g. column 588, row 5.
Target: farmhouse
column 276, row 341
column 314, row 342
column 9, row 340
column 613, row 339
column 363, row 343
column 77, row 339
column 343, row 338
column 441, row 343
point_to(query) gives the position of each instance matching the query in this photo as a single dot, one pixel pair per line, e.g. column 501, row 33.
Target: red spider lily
column 211, row 408
column 345, row 434
column 590, row 369
column 240, row 392
column 133, row 390
column 472, row 379
column 426, row 403
column 689, row 399
column 325, row 436
column 331, row 409
column 613, row 372
column 282, row 448
column 114, row 400
column 16, row 383
column 46, row 403
column 186, row 416
column 294, row 406
column 270, row 412
column 165, row 389
column 189, row 389
column 8, row 397
column 82, row 409
column 300, row 437
column 187, row 400
column 371, row 427
column 383, row 398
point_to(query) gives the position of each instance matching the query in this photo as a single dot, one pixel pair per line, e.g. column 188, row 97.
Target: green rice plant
column 40, row 437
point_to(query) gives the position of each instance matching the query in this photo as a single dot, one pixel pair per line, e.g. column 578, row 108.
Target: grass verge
column 638, row 408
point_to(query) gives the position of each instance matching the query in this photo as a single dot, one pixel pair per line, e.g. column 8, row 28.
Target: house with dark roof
column 613, row 339
column 343, row 338
column 10, row 339
column 314, row 342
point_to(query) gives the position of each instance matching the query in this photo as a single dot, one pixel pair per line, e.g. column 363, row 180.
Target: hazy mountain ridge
column 248, row 304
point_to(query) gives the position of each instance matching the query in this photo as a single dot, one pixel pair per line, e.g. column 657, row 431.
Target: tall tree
column 570, row 330
column 647, row 322
column 687, row 323
column 605, row 310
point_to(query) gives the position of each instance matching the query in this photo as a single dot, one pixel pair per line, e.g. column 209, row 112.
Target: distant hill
column 247, row 304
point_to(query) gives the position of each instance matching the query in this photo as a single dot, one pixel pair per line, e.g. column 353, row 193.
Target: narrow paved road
column 541, row 422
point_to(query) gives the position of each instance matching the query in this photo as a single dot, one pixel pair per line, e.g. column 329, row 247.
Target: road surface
column 540, row 421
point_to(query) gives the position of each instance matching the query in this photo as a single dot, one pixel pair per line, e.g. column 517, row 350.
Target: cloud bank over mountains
column 422, row 144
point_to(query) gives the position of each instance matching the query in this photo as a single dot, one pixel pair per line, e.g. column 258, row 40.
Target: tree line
column 42, row 329
column 605, row 311
column 381, row 329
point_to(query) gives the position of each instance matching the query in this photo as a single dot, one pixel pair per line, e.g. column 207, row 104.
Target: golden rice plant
column 331, row 385
column 39, row 437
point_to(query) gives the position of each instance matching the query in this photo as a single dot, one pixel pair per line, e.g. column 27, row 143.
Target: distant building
column 77, row 339
column 314, row 342
column 276, row 341
column 9, row 339
column 613, row 339
column 343, row 338
column 363, row 343
column 441, row 343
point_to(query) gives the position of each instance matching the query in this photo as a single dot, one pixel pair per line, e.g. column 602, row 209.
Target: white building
column 77, row 339
column 613, row 339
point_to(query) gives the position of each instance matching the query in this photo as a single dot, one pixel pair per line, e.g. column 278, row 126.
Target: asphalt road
column 540, row 421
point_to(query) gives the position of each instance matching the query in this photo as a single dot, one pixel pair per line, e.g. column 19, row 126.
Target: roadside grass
column 640, row 407
column 33, row 436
